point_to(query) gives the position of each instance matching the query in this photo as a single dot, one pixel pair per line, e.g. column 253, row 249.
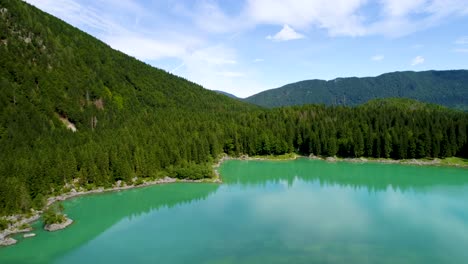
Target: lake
column 301, row 211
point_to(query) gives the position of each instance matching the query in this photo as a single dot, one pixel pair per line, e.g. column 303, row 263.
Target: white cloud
column 337, row 17
column 258, row 60
column 394, row 18
column 378, row 57
column 77, row 14
column 231, row 74
column 217, row 56
column 219, row 67
column 398, row 8
column 104, row 23
column 417, row 60
column 402, row 17
column 210, row 17
column 462, row 40
column 213, row 67
column 463, row 50
column 285, row 34
column 145, row 48
column 174, row 70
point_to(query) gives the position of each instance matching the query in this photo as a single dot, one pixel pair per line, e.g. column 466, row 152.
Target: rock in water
column 55, row 227
column 7, row 241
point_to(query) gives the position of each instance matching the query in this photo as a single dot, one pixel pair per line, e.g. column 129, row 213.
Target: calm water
column 302, row 211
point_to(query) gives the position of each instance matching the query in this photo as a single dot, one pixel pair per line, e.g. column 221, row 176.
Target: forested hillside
column 448, row 88
column 128, row 116
column 73, row 109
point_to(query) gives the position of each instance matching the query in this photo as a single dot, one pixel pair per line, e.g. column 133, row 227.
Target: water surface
column 303, row 211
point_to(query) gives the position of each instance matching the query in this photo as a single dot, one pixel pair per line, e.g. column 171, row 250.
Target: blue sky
column 247, row 46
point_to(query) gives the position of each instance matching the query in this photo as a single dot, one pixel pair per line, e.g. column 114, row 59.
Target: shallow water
column 302, row 211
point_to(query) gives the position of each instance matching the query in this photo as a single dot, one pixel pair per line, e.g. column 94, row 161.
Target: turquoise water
column 302, row 211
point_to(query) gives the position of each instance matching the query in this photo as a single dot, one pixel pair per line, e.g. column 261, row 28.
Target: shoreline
column 21, row 221
column 436, row 162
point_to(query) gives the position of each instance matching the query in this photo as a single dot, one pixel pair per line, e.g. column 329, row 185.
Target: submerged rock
column 29, row 235
column 55, row 227
column 7, row 242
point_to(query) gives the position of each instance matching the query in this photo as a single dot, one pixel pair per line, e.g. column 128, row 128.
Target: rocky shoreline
column 16, row 228
column 433, row 162
column 216, row 166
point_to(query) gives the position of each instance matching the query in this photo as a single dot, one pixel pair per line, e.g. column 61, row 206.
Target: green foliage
column 287, row 156
column 54, row 215
column 118, row 101
column 24, row 226
column 4, row 224
column 446, row 88
column 193, row 171
column 454, row 161
column 139, row 181
column 39, row 202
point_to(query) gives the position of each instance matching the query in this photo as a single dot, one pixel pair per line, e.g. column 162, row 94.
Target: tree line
column 185, row 144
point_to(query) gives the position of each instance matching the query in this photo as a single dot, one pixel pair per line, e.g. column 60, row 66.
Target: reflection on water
column 95, row 215
column 299, row 211
column 371, row 176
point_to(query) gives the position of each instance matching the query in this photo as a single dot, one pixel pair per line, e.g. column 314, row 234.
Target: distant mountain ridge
column 448, row 88
column 226, row 94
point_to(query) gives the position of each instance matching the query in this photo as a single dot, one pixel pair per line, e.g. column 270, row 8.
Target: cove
column 301, row 211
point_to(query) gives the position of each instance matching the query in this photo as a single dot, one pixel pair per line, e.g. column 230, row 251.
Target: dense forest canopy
column 448, row 88
column 133, row 120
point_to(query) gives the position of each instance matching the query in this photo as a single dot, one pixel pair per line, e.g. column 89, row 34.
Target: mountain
column 75, row 111
column 448, row 88
column 226, row 94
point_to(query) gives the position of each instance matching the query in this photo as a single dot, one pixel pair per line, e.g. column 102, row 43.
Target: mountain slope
column 59, row 56
column 131, row 120
column 448, row 88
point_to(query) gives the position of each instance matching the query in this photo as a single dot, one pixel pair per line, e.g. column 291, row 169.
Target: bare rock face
column 7, row 242
column 60, row 226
